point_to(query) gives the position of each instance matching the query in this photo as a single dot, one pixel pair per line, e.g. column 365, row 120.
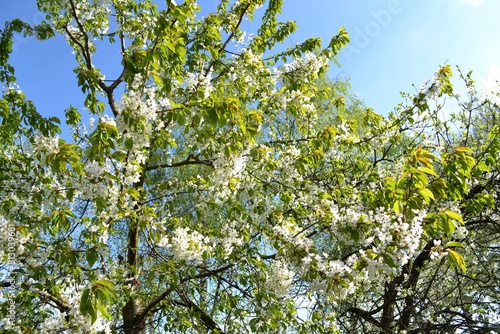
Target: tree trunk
column 418, row 264
column 131, row 324
column 387, row 320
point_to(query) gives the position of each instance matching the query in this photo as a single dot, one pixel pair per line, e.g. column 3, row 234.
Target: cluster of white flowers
column 195, row 81
column 394, row 230
column 279, row 278
column 96, row 181
column 137, row 107
column 259, row 210
column 228, row 172
column 335, row 267
column 437, row 251
column 231, row 238
column 4, row 232
column 460, row 233
column 134, row 23
column 86, row 12
column 131, row 171
column 305, row 68
column 12, row 88
column 289, row 232
column 453, row 206
column 136, row 121
column 79, row 324
column 411, row 236
column 432, row 88
column 93, row 14
column 25, row 207
column 388, row 229
column 45, row 146
column 248, row 69
column 296, row 98
column 285, row 165
column 242, row 41
column 389, row 236
column 186, row 245
column 106, row 119
column 390, row 170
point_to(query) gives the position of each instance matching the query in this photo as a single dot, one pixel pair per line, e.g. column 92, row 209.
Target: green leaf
column 104, row 311
column 103, row 284
column 119, row 155
column 110, row 129
column 55, row 120
column 397, row 206
column 91, row 256
column 213, row 115
column 454, row 216
column 86, row 305
column 389, row 260
column 170, row 45
column 427, row 170
column 454, row 244
column 158, row 80
column 134, row 193
column 464, row 150
column 129, row 143
column 427, row 195
column 354, row 234
column 447, row 225
column 456, row 259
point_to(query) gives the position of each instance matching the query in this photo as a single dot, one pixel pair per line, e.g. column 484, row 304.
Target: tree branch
column 62, row 305
column 229, row 38
column 207, row 320
column 142, row 315
column 190, row 160
column 368, row 316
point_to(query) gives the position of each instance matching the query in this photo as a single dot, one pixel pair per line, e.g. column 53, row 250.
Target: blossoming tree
column 215, row 190
column 430, row 294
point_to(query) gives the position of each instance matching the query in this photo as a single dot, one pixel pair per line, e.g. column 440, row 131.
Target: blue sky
column 397, row 43
column 394, row 44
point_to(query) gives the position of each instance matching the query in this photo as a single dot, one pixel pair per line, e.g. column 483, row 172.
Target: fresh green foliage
column 234, row 188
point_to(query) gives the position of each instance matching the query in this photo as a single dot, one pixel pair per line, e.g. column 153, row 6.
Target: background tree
column 220, row 192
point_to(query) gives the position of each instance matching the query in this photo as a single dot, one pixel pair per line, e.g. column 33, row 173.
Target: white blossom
column 279, row 278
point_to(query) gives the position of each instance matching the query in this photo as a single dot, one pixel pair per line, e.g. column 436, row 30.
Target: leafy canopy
column 221, row 183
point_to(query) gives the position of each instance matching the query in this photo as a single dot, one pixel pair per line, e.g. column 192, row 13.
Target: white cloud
column 473, row 3
column 491, row 82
